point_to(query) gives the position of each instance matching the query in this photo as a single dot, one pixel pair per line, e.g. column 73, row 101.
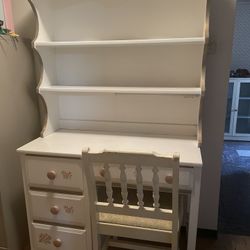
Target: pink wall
column 8, row 14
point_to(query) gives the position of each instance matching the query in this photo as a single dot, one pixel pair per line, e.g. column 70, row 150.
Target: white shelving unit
column 118, row 75
column 122, row 66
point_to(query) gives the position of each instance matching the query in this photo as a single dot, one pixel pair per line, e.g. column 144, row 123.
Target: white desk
column 70, row 144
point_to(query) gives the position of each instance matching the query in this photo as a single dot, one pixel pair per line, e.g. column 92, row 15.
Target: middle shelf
column 120, row 90
column 130, row 42
column 136, row 66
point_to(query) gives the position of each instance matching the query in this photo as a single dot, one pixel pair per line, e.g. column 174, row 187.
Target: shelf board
column 244, row 98
column 120, row 90
column 163, row 41
column 243, row 117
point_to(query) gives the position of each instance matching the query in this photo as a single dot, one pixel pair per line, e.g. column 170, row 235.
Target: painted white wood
column 71, row 209
column 52, row 114
column 194, row 210
column 192, row 40
column 124, row 185
column 139, row 161
column 97, row 59
column 108, row 184
column 103, row 71
column 175, row 204
column 130, row 109
column 71, row 143
column 156, row 187
column 185, row 180
column 132, row 245
column 45, row 235
column 76, row 67
column 143, row 129
column 78, row 90
column 37, row 202
column 121, row 67
column 139, row 185
column 68, row 173
column 94, row 20
column 149, row 66
column 132, row 232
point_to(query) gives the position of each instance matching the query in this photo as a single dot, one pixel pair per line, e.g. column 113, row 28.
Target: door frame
column 232, row 135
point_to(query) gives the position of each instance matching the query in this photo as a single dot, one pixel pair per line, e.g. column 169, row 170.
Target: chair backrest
column 121, row 162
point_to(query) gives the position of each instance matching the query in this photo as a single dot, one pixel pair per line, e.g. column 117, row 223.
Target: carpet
column 234, row 212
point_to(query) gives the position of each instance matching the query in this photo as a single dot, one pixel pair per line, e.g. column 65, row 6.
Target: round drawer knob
column 102, row 172
column 55, row 210
column 57, row 243
column 51, row 175
column 169, row 179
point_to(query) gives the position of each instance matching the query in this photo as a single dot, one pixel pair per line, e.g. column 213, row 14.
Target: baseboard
column 207, row 233
column 203, row 232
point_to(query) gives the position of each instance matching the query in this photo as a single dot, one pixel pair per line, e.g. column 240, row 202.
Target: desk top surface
column 71, row 144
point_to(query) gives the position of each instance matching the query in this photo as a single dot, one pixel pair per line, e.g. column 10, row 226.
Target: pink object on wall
column 8, row 15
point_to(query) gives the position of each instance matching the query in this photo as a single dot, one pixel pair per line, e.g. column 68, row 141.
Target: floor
column 224, row 242
column 234, row 214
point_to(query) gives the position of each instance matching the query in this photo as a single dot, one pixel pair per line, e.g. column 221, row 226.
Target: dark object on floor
column 239, row 73
column 224, row 242
column 234, row 215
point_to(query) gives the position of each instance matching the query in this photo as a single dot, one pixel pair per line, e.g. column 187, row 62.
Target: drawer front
column 47, row 237
column 54, row 173
column 58, row 208
column 165, row 176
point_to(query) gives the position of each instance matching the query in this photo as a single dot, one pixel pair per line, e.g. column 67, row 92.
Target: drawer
column 54, row 173
column 53, row 237
column 58, row 208
column 165, row 176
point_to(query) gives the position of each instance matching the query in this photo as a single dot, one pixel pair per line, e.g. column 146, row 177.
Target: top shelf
column 163, row 41
column 95, row 20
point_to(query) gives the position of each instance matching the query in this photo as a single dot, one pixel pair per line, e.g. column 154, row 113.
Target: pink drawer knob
column 102, row 172
column 51, row 175
column 57, row 243
column 55, row 210
column 169, row 179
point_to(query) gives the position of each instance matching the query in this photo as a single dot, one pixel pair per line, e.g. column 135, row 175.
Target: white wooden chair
column 150, row 223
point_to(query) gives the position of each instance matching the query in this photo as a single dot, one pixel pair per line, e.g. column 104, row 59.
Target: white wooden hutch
column 120, row 76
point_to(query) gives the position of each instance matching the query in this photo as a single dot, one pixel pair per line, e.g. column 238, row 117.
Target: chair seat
column 136, row 221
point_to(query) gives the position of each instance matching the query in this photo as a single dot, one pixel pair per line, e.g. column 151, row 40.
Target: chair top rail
column 131, row 158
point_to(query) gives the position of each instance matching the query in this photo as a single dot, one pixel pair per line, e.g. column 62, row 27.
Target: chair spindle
column 139, row 182
column 108, row 184
column 156, row 188
column 124, row 185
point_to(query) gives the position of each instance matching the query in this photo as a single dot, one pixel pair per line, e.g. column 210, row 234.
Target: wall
column 241, row 44
column 20, row 122
column 218, row 65
column 24, row 19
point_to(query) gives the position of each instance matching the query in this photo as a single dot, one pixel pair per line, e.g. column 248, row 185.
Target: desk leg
column 194, row 210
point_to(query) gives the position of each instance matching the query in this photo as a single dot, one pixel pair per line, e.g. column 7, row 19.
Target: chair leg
column 105, row 243
column 126, row 244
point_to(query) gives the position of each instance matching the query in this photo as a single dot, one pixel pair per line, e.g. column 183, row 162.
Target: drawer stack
column 57, row 203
